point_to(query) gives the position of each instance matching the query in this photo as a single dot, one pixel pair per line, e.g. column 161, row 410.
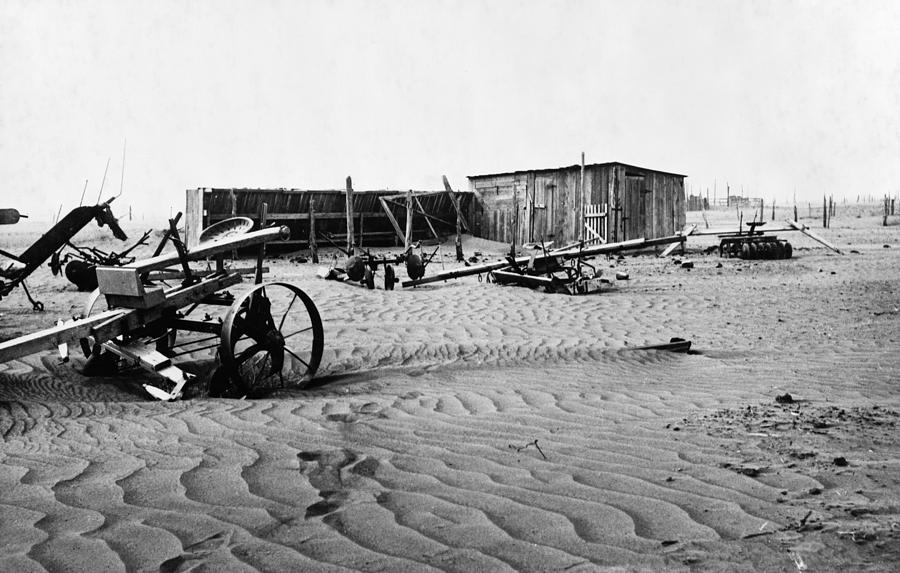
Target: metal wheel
column 81, row 274
column 95, row 304
column 389, row 277
column 369, row 278
column 777, row 251
column 271, row 335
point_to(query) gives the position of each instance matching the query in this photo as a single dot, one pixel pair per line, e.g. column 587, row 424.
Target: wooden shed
column 600, row 202
column 378, row 217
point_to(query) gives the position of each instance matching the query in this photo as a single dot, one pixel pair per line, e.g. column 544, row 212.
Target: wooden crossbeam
column 300, row 216
column 684, row 233
column 393, row 219
column 420, row 209
column 806, row 231
column 427, row 219
column 206, row 250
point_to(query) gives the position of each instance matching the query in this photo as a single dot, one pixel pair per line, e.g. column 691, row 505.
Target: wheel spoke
column 294, row 354
column 284, row 316
column 307, row 329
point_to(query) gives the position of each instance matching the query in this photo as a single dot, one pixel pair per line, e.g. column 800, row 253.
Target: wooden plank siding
column 550, row 203
column 291, row 207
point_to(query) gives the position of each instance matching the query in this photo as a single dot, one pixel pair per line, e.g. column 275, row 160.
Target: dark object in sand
column 784, row 399
column 674, row 345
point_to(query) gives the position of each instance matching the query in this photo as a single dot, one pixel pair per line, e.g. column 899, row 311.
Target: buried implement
column 753, row 244
column 271, row 335
column 552, row 274
column 14, row 273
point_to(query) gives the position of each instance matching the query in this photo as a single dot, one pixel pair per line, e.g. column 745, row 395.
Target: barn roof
column 576, row 166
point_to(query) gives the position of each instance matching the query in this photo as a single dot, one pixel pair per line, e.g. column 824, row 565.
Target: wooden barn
column 600, row 202
column 377, row 218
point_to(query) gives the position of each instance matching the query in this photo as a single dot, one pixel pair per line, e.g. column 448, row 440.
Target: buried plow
column 269, row 336
column 561, row 270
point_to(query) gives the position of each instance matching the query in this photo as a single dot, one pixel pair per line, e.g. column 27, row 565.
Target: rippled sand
column 464, row 426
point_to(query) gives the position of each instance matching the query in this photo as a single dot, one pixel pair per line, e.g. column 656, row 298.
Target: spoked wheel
column 271, row 336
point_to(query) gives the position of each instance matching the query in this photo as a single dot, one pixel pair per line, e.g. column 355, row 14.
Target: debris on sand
column 784, row 399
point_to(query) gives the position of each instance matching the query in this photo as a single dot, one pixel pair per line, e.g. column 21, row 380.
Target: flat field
column 466, row 426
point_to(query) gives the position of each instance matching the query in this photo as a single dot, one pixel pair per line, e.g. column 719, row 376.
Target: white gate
column 595, row 223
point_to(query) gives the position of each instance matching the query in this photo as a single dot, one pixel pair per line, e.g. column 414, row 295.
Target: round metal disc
column 227, row 228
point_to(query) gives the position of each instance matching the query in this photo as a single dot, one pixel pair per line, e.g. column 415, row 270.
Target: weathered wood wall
column 528, row 206
column 291, row 207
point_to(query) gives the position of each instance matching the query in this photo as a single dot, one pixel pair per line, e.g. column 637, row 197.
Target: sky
column 778, row 99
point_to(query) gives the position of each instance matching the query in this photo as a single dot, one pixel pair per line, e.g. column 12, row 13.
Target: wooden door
column 542, row 215
column 635, row 208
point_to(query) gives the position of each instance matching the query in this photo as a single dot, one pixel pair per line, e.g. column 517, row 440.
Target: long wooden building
column 378, row 217
column 600, row 202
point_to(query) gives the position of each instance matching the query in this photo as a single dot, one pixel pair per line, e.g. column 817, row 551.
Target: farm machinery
column 754, row 244
column 362, row 267
column 50, row 243
column 10, row 216
column 269, row 334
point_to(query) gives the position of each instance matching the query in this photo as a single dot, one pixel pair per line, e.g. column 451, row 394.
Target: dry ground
column 465, row 426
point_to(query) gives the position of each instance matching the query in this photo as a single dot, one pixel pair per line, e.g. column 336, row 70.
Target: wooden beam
column 427, row 218
column 390, row 216
column 261, row 253
column 313, row 247
column 533, row 281
column 565, row 254
column 806, row 231
column 416, row 193
column 69, row 331
column 297, row 216
column 193, row 216
column 460, row 222
column 349, row 215
column 684, row 233
column 420, row 209
column 111, row 323
column 209, row 249
column 175, row 274
column 407, row 238
column 455, row 200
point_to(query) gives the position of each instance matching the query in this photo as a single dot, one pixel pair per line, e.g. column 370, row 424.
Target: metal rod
column 103, row 182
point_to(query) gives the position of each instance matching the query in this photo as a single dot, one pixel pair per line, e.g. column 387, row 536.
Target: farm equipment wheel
column 271, row 335
column 777, row 251
column 388, row 277
column 788, row 250
column 95, row 304
column 81, row 274
column 369, row 278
